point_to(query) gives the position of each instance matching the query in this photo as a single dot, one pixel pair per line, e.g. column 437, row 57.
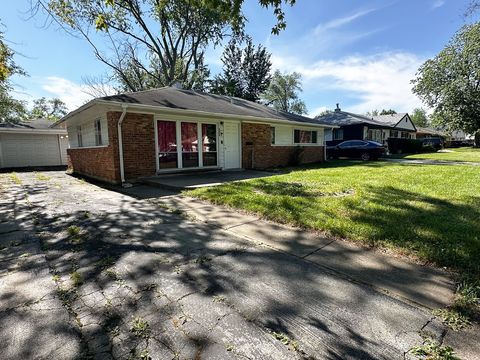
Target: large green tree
column 11, row 110
column 51, row 109
column 450, row 82
column 283, row 93
column 152, row 43
column 246, row 72
column 420, row 118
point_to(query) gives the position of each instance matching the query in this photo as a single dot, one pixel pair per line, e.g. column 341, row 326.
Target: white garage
column 22, row 146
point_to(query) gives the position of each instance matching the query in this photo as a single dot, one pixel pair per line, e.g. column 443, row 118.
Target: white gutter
column 120, row 143
column 34, row 131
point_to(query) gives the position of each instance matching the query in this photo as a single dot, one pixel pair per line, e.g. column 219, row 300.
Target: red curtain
column 189, row 137
column 167, row 136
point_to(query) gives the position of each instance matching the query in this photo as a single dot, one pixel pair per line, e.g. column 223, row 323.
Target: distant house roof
column 31, row 124
column 174, row 98
column 343, row 118
column 391, row 119
column 430, row 131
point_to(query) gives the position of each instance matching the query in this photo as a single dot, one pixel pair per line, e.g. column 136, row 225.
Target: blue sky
column 361, row 54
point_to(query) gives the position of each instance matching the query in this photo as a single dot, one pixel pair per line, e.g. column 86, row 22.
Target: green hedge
column 404, row 146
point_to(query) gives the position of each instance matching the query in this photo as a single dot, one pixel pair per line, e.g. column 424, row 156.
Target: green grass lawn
column 430, row 211
column 454, row 154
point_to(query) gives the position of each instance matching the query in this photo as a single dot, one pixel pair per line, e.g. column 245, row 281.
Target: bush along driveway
column 140, row 278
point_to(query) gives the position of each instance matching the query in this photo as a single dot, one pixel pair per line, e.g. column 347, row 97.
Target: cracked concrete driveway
column 91, row 273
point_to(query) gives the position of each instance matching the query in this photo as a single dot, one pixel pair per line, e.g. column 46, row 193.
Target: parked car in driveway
column 360, row 149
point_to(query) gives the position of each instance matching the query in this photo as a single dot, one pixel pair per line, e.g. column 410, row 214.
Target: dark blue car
column 359, row 149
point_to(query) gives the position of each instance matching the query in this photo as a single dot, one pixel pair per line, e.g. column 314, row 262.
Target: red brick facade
column 138, row 132
column 99, row 162
column 103, row 163
column 258, row 153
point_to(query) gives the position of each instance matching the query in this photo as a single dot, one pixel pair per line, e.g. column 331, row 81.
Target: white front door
column 231, row 145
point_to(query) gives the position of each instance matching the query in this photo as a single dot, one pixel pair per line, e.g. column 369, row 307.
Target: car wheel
column 365, row 156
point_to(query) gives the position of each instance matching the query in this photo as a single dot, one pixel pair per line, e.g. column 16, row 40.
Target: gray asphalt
column 111, row 276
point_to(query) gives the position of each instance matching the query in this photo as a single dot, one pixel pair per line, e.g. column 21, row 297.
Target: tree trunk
column 477, row 139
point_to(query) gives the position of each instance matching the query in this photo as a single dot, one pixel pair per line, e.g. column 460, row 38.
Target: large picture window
column 209, row 144
column 189, row 144
column 167, row 144
column 180, row 144
column 304, row 137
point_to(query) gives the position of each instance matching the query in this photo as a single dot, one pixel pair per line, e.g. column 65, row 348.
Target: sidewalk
column 409, row 281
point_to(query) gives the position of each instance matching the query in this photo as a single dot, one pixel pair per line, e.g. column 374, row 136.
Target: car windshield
column 375, row 143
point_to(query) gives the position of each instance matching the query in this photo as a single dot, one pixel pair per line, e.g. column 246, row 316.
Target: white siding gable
column 88, row 133
column 406, row 123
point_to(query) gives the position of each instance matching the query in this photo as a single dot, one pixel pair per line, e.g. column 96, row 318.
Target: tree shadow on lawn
column 444, row 232
column 139, row 260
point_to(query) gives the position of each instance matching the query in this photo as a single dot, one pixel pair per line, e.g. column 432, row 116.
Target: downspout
column 120, row 146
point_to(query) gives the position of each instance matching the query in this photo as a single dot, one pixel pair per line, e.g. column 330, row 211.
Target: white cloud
column 72, row 94
column 438, row 3
column 341, row 21
column 378, row 81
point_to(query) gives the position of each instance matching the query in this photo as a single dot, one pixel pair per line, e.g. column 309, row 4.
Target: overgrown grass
column 467, row 154
column 432, row 212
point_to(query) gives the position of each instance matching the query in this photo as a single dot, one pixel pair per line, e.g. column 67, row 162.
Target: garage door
column 20, row 150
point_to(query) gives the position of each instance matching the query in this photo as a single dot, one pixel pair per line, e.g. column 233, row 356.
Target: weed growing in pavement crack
column 76, row 278
column 453, row 318
column 42, row 177
column 140, row 328
column 219, row 299
column 433, row 350
column 15, row 178
column 73, row 230
column 142, row 355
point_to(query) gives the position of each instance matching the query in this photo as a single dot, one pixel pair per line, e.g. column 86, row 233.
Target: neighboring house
column 124, row 137
column 361, row 127
column 428, row 133
column 32, row 143
column 460, row 138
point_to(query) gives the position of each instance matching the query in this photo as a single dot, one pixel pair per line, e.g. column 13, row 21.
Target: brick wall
column 103, row 163
column 258, row 153
column 100, row 163
column 138, row 146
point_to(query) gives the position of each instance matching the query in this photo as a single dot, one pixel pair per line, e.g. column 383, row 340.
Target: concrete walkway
column 423, row 285
column 202, row 179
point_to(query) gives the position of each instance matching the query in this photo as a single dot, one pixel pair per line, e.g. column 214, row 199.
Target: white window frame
column 98, row 132
column 179, row 145
column 304, row 144
column 79, row 136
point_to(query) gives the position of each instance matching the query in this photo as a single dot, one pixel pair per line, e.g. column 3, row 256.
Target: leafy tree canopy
column 10, row 109
column 420, row 118
column 51, row 109
column 246, row 72
column 450, row 82
column 387, row 112
column 153, row 43
column 283, row 93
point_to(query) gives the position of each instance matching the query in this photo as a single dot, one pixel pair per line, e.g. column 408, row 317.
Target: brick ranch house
column 124, row 137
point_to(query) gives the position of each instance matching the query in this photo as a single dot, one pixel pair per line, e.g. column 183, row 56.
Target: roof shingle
column 174, row 98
